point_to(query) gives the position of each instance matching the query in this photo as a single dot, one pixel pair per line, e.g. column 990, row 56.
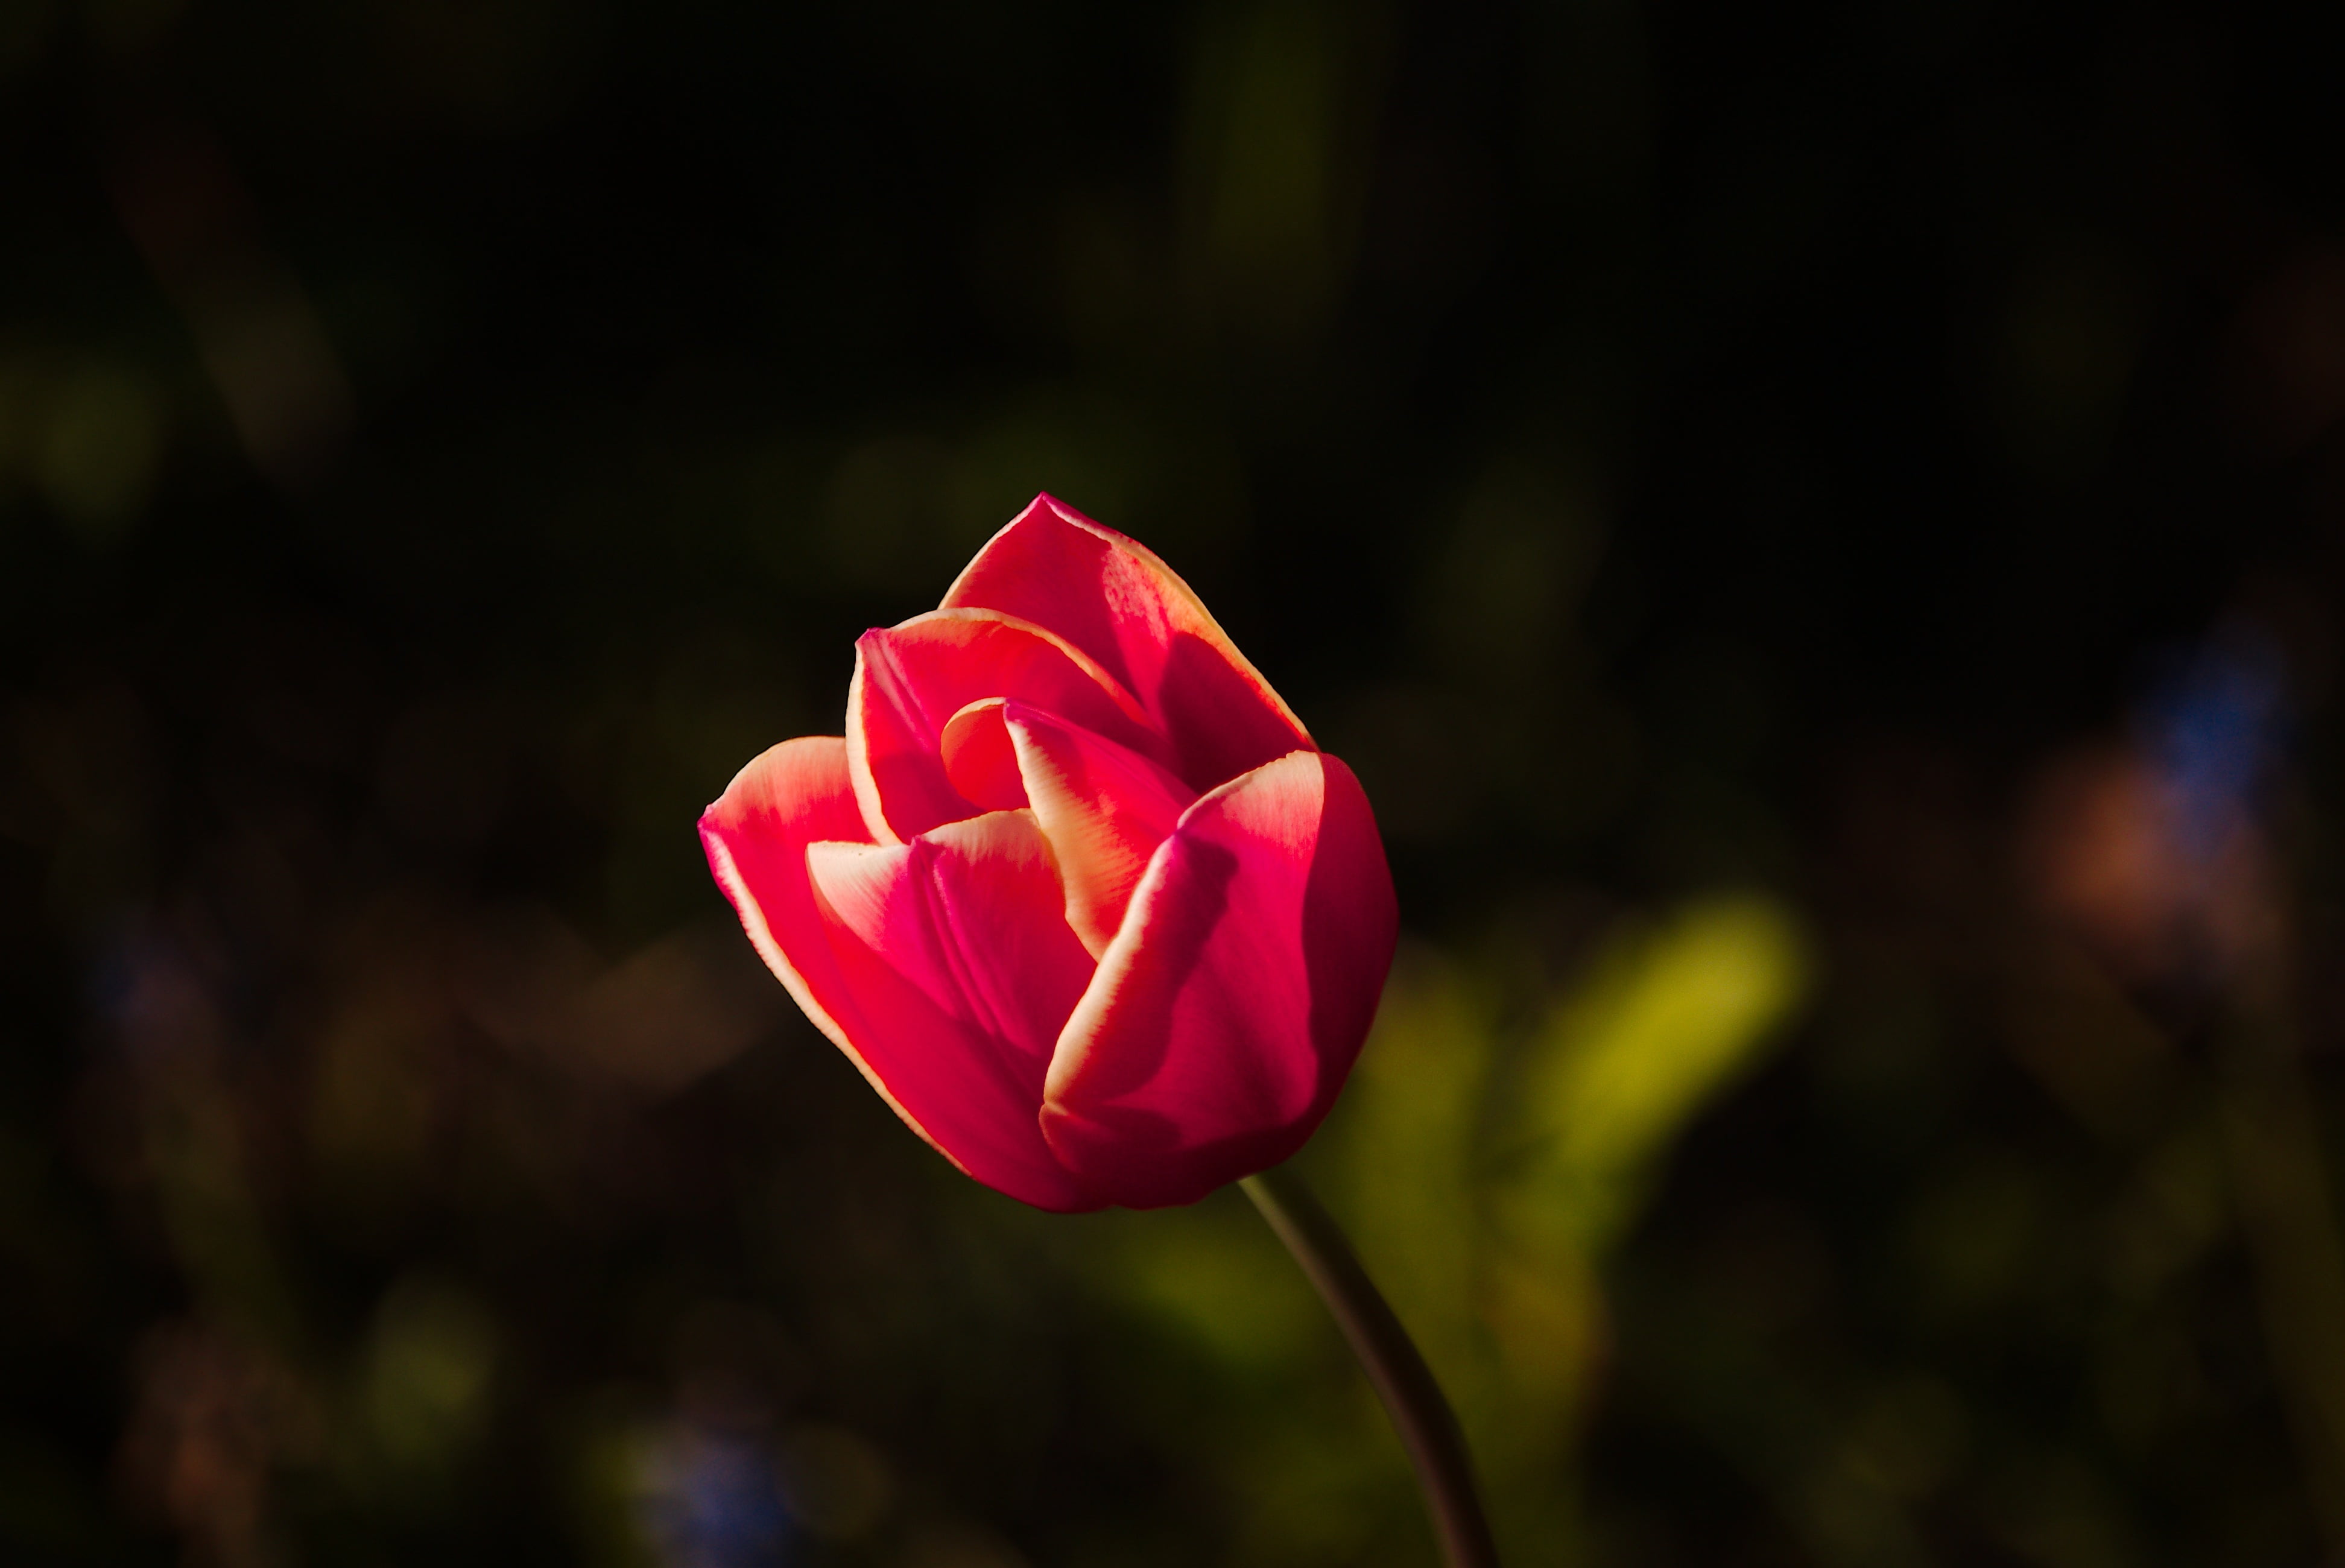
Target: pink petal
column 1117, row 602
column 756, row 837
column 1104, row 808
column 911, row 680
column 1231, row 1005
column 955, row 951
column 979, row 758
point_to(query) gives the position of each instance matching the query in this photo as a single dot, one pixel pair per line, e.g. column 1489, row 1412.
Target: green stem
column 1427, row 1427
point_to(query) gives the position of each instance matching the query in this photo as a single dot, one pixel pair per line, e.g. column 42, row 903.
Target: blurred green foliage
column 1817, row 528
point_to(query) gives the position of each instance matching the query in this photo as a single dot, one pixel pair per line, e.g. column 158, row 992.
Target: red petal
column 909, row 682
column 1229, row 1007
column 1111, row 598
column 1104, row 808
column 980, row 759
column 756, row 837
column 955, row 950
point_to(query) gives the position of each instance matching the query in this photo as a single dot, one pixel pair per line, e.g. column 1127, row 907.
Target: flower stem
column 1427, row 1427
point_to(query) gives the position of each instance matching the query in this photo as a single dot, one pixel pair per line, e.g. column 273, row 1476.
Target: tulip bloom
column 1076, row 891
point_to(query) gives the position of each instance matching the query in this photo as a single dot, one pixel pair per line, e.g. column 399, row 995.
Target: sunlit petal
column 1104, row 808
column 955, row 952
column 1113, row 599
column 1231, row 1003
column 911, row 680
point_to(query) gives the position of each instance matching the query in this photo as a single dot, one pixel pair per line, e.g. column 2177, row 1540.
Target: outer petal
column 1116, row 601
column 1233, row 1001
column 909, row 682
column 756, row 837
column 1104, row 808
column 955, row 952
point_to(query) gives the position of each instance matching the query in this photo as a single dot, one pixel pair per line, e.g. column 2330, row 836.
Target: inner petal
column 911, row 679
column 979, row 758
column 970, row 917
column 1104, row 808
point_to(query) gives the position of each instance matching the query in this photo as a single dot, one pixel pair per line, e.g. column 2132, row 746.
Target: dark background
column 1817, row 527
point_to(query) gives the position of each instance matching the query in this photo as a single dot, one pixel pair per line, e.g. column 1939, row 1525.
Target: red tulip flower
column 1076, row 891
column 1085, row 905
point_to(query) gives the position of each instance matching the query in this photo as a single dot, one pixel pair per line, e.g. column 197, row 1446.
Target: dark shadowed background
column 1818, row 527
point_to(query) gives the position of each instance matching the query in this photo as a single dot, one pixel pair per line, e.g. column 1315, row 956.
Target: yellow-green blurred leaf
column 1665, row 1021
